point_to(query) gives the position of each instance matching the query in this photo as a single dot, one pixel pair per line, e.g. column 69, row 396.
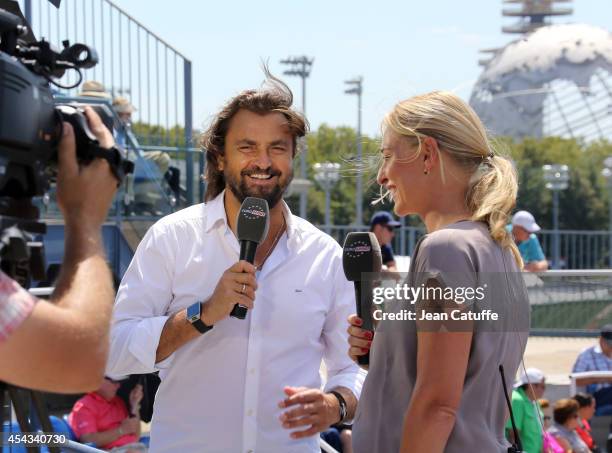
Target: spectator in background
column 383, row 225
column 598, row 358
column 550, row 444
column 527, row 413
column 159, row 159
column 124, row 110
column 102, row 418
column 339, row 437
column 523, row 229
column 566, row 420
column 586, row 411
column 94, row 89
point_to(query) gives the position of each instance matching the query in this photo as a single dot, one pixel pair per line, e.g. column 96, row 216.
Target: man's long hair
column 274, row 96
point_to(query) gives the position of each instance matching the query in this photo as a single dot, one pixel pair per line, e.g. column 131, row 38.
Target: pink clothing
column 551, row 445
column 94, row 414
column 16, row 304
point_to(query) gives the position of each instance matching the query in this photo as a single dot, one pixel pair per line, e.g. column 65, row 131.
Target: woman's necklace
column 276, row 238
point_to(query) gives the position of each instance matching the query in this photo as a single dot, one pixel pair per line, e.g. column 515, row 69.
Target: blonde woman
column 436, row 387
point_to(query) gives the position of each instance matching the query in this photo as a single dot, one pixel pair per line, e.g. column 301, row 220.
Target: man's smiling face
column 258, row 157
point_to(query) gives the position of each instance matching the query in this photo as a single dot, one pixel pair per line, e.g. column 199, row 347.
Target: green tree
column 328, row 144
column 156, row 135
column 584, row 204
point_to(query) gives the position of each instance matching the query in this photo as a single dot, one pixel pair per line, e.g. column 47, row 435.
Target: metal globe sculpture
column 555, row 81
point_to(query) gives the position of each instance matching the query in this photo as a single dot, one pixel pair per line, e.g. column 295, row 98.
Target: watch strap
column 342, row 404
column 197, row 322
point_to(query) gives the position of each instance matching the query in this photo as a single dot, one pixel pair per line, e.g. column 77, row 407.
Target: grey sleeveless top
column 459, row 253
column 577, row 444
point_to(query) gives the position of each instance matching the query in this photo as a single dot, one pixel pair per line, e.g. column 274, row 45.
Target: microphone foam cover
column 360, row 253
column 253, row 220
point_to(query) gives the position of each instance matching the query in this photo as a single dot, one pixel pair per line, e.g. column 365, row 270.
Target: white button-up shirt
column 220, row 392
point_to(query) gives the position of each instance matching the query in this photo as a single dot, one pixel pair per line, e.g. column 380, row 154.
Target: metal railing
column 404, row 242
column 585, row 375
column 134, row 63
column 77, row 447
column 569, row 303
column 580, row 249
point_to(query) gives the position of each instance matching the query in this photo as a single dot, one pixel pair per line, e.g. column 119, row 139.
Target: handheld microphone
column 361, row 254
column 253, row 223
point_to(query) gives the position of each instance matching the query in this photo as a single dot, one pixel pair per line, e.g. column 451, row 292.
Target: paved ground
column 555, row 356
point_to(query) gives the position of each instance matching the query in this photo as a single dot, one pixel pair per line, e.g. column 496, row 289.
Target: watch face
column 193, row 312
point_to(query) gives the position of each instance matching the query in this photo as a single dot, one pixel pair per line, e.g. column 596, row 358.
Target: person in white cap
column 523, row 229
column 528, row 389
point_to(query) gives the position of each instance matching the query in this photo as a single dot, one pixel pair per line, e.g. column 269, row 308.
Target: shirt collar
column 215, row 215
column 521, row 391
column 597, row 349
column 215, row 212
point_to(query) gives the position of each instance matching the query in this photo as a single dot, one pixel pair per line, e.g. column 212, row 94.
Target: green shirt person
column 527, row 413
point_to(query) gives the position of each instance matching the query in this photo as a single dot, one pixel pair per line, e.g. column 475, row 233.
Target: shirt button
column 250, row 412
column 249, row 451
column 252, row 371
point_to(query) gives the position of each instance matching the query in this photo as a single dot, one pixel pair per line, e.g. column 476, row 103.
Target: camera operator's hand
column 84, row 193
column 104, row 136
column 62, row 346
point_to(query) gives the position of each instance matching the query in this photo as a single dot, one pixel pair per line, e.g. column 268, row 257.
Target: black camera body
column 31, row 127
column 29, row 131
column 31, row 119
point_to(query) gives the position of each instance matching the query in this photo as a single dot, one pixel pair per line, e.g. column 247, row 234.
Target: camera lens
column 82, row 56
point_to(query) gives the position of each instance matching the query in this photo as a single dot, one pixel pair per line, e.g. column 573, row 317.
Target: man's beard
column 241, row 190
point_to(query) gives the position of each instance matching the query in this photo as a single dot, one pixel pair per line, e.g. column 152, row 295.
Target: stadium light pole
column 327, row 175
column 556, row 177
column 301, row 67
column 607, row 173
column 355, row 86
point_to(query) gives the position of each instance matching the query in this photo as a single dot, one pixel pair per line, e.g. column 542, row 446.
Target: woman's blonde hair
column 493, row 186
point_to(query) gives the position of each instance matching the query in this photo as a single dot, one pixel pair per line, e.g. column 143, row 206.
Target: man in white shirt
column 232, row 385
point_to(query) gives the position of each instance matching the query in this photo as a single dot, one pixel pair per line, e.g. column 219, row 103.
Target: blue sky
column 401, row 48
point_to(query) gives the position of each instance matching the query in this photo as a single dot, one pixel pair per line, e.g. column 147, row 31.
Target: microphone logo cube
column 253, row 220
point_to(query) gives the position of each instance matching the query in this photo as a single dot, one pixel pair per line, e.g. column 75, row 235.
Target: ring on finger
column 243, row 290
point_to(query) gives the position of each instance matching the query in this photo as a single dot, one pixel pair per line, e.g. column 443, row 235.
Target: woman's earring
column 425, row 172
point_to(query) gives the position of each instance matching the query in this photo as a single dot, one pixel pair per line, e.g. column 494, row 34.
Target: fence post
column 411, row 240
column 202, row 186
column 28, row 11
column 188, row 130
